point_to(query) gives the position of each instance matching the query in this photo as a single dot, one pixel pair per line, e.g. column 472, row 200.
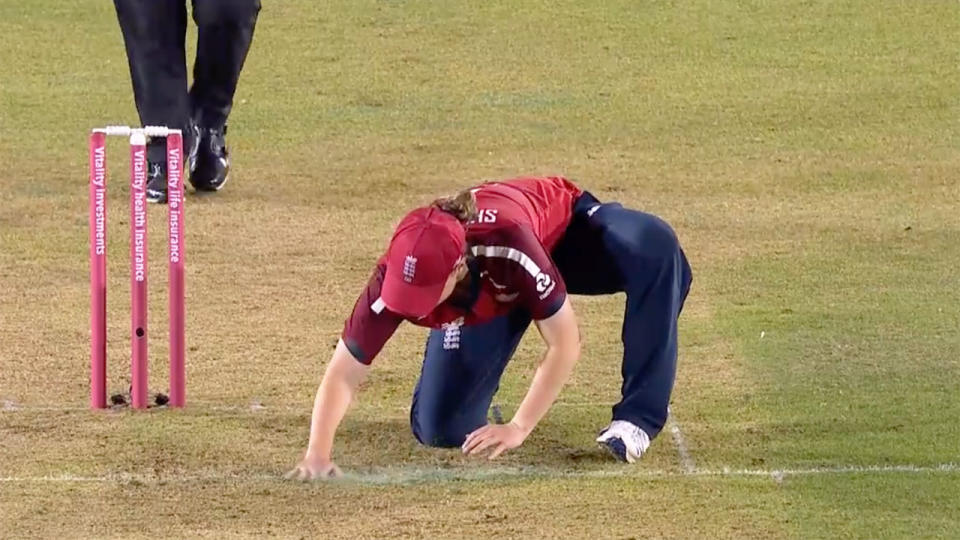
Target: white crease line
column 686, row 459
column 428, row 475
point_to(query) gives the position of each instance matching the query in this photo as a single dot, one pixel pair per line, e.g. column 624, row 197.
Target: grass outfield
column 807, row 153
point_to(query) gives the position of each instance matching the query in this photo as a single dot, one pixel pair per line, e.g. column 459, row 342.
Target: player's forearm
column 329, row 407
column 548, row 380
column 333, row 398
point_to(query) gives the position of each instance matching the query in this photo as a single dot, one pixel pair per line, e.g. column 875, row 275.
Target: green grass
column 806, row 152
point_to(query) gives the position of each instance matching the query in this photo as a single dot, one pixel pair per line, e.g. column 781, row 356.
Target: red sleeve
column 546, row 291
column 371, row 324
column 540, row 287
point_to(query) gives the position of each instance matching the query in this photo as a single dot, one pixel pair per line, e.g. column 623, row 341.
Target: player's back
column 544, row 204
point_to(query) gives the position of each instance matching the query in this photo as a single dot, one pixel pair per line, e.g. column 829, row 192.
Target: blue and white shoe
column 625, row 441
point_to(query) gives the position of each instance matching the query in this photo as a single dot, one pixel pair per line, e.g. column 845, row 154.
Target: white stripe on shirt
column 510, row 253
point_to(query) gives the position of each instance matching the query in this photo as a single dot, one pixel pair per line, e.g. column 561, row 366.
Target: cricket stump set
column 138, row 263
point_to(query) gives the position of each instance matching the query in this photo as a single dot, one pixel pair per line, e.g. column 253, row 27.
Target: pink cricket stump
column 175, row 201
column 98, row 271
column 138, row 269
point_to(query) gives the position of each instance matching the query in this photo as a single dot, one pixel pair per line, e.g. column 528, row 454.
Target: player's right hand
column 314, row 468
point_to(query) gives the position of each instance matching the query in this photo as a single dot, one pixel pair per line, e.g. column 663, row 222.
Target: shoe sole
column 225, row 180
column 160, row 199
column 211, row 188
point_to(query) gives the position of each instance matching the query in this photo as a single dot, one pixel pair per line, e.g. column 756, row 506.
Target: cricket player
column 477, row 269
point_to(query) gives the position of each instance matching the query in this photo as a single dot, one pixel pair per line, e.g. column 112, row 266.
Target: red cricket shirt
column 519, row 223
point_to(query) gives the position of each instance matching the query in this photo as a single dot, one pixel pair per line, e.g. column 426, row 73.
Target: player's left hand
column 498, row 437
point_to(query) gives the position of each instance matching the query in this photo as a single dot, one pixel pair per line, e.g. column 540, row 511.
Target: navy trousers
column 606, row 249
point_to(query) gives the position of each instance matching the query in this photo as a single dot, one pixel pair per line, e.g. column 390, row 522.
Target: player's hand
column 314, row 468
column 498, row 438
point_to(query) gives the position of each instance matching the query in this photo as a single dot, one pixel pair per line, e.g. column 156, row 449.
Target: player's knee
column 438, row 436
column 435, row 428
column 213, row 12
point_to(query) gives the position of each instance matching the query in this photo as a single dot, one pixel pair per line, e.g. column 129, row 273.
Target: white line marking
column 412, row 475
column 409, row 475
column 686, row 460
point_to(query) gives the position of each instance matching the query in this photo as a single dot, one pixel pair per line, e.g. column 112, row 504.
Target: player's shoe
column 625, row 441
column 213, row 160
column 157, row 182
column 157, row 167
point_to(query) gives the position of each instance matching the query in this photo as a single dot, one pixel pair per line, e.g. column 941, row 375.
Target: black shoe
column 157, row 182
column 213, row 160
column 157, row 163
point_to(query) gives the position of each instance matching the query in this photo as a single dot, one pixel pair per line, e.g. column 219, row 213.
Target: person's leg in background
column 461, row 373
column 610, row 248
column 153, row 34
column 224, row 34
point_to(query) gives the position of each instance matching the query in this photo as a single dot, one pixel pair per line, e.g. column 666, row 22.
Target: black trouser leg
column 224, row 33
column 153, row 34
